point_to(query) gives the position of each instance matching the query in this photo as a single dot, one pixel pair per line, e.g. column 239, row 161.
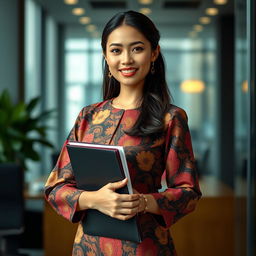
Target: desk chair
column 11, row 207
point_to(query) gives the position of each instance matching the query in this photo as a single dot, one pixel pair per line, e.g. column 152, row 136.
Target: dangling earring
column 153, row 68
column 109, row 74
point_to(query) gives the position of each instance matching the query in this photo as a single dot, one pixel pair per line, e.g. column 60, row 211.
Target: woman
column 136, row 113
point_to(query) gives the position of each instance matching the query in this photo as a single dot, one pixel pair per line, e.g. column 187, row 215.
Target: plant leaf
column 31, row 153
column 20, row 130
column 44, row 142
column 19, row 112
column 45, row 114
column 32, row 104
column 5, row 100
column 3, row 118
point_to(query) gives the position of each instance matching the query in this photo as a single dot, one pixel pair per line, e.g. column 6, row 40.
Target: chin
column 131, row 83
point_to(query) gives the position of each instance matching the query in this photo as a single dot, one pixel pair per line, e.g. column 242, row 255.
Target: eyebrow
column 131, row 44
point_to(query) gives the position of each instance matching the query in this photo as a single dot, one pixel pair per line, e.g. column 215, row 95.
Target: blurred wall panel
column 9, row 45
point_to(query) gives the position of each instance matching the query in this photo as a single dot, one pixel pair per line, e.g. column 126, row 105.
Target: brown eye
column 115, row 50
column 138, row 49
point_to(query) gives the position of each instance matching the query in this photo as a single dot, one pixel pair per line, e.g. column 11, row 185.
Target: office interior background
column 51, row 49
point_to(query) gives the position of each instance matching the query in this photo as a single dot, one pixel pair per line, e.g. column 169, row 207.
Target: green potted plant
column 21, row 128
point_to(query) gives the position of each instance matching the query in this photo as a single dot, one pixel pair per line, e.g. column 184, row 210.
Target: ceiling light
column 212, row 11
column 198, row 28
column 245, row 86
column 70, row 1
column 78, row 11
column 145, row 11
column 205, row 20
column 220, row 1
column 192, row 86
column 145, row 1
column 85, row 20
column 91, row 28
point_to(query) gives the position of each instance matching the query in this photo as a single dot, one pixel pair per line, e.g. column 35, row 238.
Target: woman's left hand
column 143, row 203
column 147, row 203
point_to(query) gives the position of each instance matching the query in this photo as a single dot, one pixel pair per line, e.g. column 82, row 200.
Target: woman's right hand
column 107, row 201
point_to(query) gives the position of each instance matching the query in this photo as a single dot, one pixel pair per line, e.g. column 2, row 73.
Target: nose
column 127, row 58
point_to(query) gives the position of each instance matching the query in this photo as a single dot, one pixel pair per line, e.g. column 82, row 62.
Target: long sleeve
column 183, row 192
column 60, row 189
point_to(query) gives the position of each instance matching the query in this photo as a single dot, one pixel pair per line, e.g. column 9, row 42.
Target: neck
column 128, row 97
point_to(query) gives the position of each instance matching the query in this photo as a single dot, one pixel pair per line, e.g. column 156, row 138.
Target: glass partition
column 245, row 128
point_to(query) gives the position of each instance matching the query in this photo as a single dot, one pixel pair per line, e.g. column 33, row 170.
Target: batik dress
column 169, row 153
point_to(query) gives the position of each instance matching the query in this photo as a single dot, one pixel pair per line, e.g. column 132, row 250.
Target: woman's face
column 129, row 56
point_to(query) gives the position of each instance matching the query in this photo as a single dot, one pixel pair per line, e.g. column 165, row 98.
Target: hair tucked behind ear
column 156, row 96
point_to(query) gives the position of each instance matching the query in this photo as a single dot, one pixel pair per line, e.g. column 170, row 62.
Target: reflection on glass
column 241, row 128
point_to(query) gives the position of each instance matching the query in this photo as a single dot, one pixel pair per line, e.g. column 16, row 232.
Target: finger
column 129, row 197
column 131, row 204
column 129, row 211
column 124, row 217
column 118, row 184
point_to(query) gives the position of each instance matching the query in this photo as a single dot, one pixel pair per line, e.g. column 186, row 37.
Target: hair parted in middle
column 156, row 95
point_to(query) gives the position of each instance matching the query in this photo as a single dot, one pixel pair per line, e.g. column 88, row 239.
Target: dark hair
column 156, row 96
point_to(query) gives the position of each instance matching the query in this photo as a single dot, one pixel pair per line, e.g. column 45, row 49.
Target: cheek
column 112, row 63
column 146, row 65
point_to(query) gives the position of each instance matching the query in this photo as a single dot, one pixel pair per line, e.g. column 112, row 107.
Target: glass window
column 39, row 83
column 83, row 76
column 32, row 49
column 190, row 59
column 32, row 68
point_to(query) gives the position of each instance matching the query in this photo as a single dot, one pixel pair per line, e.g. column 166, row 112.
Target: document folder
column 94, row 166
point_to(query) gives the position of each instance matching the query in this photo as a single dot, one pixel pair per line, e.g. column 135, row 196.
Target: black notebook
column 94, row 166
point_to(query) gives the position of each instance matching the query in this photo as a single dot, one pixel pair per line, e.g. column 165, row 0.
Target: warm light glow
column 91, row 28
column 205, row 20
column 192, row 86
column 220, row 1
column 212, row 11
column 245, row 86
column 145, row 1
column 198, row 28
column 85, row 20
column 145, row 11
column 70, row 2
column 78, row 11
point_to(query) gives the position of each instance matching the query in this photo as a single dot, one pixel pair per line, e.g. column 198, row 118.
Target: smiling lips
column 127, row 72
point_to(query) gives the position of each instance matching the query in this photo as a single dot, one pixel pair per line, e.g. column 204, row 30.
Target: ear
column 104, row 56
column 155, row 53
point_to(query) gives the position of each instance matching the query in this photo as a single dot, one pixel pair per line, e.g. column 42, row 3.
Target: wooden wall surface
column 209, row 231
column 58, row 233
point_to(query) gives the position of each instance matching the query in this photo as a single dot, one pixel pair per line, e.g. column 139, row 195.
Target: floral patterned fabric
column 169, row 153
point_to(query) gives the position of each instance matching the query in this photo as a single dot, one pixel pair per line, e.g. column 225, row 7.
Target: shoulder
column 95, row 107
column 175, row 112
